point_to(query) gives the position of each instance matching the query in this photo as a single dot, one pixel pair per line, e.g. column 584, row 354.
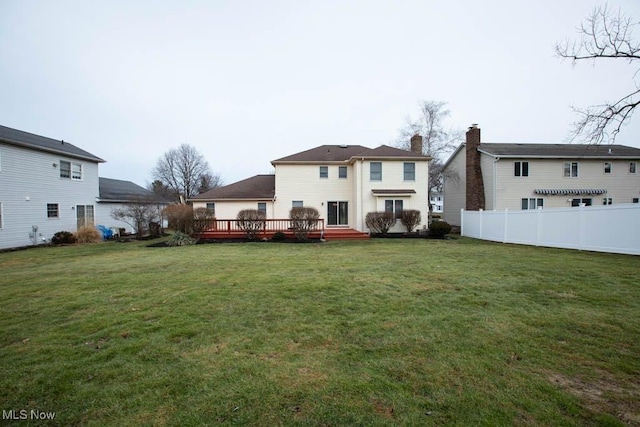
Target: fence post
column 506, row 220
column 481, row 220
column 538, row 226
column 462, row 222
column 581, row 227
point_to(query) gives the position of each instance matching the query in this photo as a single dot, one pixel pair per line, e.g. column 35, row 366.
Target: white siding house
column 46, row 186
column 343, row 182
column 533, row 176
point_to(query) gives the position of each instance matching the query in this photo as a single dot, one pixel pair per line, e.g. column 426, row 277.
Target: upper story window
column 342, row 172
column 632, row 167
column 571, row 169
column 409, row 171
column 520, row 168
column 70, row 170
column 324, row 171
column 211, row 207
column 607, row 167
column 375, row 171
column 53, row 210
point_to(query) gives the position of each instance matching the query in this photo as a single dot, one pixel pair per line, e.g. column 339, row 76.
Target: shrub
column 180, row 217
column 279, row 237
column 251, row 221
column 63, row 238
column 380, row 222
column 88, row 235
column 410, row 219
column 181, row 239
column 202, row 220
column 439, row 229
column 303, row 220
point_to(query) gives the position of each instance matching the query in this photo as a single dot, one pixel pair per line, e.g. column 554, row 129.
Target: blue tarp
column 106, row 232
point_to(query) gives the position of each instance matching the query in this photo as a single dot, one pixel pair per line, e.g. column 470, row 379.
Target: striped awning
column 566, row 191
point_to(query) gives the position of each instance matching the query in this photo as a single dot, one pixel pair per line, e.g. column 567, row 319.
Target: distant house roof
column 559, row 150
column 259, row 187
column 42, row 143
column 346, row 153
column 118, row 191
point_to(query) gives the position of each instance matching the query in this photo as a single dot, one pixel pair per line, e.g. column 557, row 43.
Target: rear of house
column 46, row 186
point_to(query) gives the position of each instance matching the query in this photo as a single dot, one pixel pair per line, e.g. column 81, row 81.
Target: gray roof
column 344, row 153
column 118, row 191
column 559, row 150
column 259, row 187
column 42, row 143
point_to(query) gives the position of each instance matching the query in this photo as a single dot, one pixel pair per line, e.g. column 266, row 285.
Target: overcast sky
column 247, row 82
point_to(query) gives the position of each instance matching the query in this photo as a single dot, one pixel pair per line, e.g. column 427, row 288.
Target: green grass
column 382, row 332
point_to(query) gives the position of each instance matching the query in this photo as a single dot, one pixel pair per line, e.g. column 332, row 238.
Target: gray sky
column 247, row 82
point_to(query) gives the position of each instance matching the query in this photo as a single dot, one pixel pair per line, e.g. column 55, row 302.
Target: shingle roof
column 259, row 187
column 343, row 153
column 558, row 150
column 42, row 143
column 115, row 190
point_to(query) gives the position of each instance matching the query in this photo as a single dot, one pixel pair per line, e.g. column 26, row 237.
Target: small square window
column 607, row 201
column 53, row 210
column 324, row 171
column 297, row 204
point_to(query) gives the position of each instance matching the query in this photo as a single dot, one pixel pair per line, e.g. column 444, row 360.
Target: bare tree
column 209, row 181
column 139, row 214
column 182, row 170
column 604, row 34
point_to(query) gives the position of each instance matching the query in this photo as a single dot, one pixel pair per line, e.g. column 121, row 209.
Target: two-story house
column 498, row 176
column 46, row 186
column 343, row 182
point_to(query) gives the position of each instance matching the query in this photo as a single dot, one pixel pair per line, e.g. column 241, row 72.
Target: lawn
column 380, row 332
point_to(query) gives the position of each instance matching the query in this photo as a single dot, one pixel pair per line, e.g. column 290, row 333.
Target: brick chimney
column 416, row 144
column 475, row 184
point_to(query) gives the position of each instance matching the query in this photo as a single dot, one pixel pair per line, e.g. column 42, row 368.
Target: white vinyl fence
column 612, row 228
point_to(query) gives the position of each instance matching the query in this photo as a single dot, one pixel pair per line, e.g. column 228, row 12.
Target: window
column 297, row 204
column 84, row 216
column 211, row 207
column 633, row 167
column 578, row 202
column 607, row 201
column 394, row 206
column 607, row 167
column 53, row 210
column 342, row 172
column 262, row 207
column 571, row 169
column 324, row 171
column 375, row 171
column 76, row 171
column 521, row 169
column 634, row 200
column 70, row 170
column 409, row 171
column 65, row 169
column 532, row 203
column 337, row 213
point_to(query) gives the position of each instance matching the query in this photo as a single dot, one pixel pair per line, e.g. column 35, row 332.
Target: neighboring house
column 437, row 202
column 46, row 186
column 116, row 194
column 494, row 176
column 343, row 182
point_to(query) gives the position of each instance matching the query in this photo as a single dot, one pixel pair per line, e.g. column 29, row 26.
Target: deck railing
column 232, row 226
